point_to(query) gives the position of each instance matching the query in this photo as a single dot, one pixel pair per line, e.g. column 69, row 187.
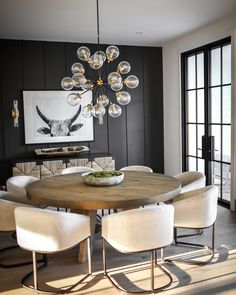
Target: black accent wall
column 136, row 137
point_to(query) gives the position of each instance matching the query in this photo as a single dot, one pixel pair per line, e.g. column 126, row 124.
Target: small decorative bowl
column 103, row 178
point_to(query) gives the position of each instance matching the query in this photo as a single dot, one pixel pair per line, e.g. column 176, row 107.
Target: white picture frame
column 46, row 116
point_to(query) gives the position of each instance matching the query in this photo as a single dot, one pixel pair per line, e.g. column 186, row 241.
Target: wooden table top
column 137, row 188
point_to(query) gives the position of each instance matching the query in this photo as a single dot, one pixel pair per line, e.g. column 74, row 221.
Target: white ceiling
column 75, row 20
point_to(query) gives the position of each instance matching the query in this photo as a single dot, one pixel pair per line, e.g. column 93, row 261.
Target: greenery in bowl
column 103, row 174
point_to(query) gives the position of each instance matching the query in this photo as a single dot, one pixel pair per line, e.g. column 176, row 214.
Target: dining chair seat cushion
column 7, row 218
column 77, row 169
column 139, row 229
column 197, row 208
column 191, row 180
column 48, row 231
column 137, row 168
column 16, row 185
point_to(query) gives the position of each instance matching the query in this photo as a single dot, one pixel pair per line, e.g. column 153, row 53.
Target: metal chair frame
column 36, row 268
column 211, row 249
column 153, row 263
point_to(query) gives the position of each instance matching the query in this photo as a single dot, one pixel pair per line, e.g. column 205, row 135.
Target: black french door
column 206, row 114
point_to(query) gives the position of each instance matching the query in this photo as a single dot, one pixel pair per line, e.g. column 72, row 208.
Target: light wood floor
column 218, row 277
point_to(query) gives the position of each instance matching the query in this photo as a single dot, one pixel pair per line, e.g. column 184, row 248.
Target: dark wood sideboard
column 46, row 167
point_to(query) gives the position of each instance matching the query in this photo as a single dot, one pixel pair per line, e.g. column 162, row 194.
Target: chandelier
column 102, row 89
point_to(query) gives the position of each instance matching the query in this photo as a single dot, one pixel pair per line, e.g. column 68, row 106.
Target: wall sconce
column 15, row 113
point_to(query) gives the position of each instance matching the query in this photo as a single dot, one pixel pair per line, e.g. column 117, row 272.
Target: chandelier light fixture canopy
column 116, row 81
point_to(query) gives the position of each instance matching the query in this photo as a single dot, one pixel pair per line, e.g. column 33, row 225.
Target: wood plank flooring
column 218, row 277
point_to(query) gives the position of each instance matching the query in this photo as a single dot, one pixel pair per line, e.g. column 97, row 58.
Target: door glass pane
column 200, row 71
column 226, row 173
column 200, row 106
column 216, row 173
column 191, row 72
column 226, row 104
column 201, row 165
column 216, row 132
column 192, row 140
column 199, row 143
column 215, row 105
column 191, row 164
column 191, row 106
column 226, row 144
column 215, row 67
column 226, row 55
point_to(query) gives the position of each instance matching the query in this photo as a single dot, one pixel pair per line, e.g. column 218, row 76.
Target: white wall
column 172, row 94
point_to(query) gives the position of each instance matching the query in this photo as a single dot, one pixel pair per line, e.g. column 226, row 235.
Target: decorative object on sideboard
column 62, row 151
column 114, row 82
column 15, row 113
column 48, row 118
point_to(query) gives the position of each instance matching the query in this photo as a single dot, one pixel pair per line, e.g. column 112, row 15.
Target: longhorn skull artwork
column 58, row 128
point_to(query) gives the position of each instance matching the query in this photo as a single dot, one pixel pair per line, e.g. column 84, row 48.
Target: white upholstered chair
column 137, row 168
column 197, row 209
column 138, row 230
column 7, row 224
column 191, row 180
column 16, row 186
column 77, row 169
column 44, row 231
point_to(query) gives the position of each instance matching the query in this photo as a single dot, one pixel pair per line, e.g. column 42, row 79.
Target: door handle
column 208, row 147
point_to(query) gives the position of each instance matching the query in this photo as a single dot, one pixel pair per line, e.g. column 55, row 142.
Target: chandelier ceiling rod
column 98, row 32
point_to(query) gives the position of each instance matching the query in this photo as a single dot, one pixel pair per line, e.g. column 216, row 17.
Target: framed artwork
column 49, row 118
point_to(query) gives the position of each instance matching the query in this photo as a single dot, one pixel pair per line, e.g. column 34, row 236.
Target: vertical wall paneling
column 34, row 72
column 136, row 137
column 54, row 64
column 153, row 86
column 135, row 110
column 12, row 83
column 117, row 126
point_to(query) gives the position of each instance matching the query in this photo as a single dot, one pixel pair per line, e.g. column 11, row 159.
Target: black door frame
column 205, row 50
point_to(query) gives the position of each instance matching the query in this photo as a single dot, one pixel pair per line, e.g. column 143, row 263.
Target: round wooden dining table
column 69, row 191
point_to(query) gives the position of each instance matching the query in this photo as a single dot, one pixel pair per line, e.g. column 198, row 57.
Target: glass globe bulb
column 131, row 81
column 114, row 78
column 79, row 80
column 67, row 83
column 83, row 53
column 87, row 85
column 112, row 52
column 95, row 62
column 77, row 68
column 123, row 67
column 116, row 86
column 114, row 110
column 101, row 55
column 123, row 97
column 98, row 110
column 103, row 100
column 73, row 99
column 87, row 111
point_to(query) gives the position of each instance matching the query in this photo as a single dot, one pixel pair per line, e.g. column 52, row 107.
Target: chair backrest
column 197, row 208
column 16, row 185
column 137, row 168
column 48, row 231
column 77, row 169
column 191, row 180
column 7, row 218
column 139, row 229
